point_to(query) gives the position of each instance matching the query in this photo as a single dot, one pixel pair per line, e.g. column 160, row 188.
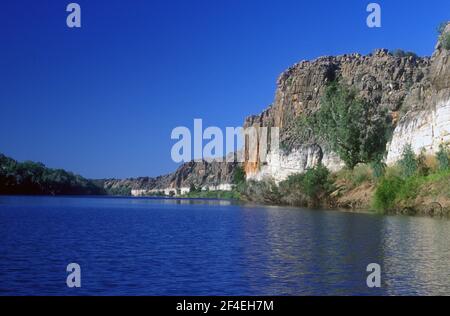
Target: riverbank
column 417, row 185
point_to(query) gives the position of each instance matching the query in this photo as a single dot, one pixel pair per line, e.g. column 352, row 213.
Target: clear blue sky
column 102, row 100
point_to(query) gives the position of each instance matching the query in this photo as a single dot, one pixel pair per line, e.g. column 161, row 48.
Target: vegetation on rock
column 307, row 189
column 416, row 184
column 213, row 194
column 356, row 130
column 444, row 36
column 401, row 53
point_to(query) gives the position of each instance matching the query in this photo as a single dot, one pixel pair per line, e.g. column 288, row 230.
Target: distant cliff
column 205, row 175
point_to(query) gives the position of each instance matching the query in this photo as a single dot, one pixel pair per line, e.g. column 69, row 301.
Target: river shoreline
column 246, row 203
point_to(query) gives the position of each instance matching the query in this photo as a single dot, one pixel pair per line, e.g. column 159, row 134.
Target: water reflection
column 417, row 259
column 214, row 247
column 304, row 252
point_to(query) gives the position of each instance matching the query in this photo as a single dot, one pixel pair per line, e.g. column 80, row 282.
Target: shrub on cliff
column 402, row 53
column 356, row 130
column 441, row 27
column 444, row 36
column 446, row 40
column 238, row 175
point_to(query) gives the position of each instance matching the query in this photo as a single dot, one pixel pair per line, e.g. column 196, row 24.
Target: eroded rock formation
column 415, row 91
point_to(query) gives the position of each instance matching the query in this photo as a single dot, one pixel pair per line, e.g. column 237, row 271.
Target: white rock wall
column 279, row 165
column 426, row 129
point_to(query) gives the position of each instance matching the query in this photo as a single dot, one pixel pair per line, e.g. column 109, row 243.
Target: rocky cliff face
column 203, row 174
column 414, row 90
column 426, row 125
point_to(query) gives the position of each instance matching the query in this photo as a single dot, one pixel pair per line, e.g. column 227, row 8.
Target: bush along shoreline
column 416, row 185
column 358, row 132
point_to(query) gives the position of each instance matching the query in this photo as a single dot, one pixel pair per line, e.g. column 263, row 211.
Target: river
column 144, row 246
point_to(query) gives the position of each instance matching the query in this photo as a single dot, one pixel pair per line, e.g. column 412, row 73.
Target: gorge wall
column 414, row 90
column 427, row 123
column 203, row 174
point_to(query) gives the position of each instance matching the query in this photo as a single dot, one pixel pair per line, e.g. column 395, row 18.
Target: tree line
column 33, row 178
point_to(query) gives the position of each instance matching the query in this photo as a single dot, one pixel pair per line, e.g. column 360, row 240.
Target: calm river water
column 139, row 246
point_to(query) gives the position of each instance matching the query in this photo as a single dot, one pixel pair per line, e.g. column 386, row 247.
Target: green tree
column 408, row 163
column 442, row 158
column 422, row 167
column 386, row 193
column 441, row 27
column 35, row 178
column 356, row 130
column 378, row 168
column 194, row 189
column 444, row 36
column 316, row 181
column 402, row 53
column 239, row 175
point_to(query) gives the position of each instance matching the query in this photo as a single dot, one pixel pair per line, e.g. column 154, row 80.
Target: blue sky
column 102, row 100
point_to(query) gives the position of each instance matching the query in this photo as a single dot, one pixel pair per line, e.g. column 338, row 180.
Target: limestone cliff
column 203, row 174
column 415, row 91
column 426, row 125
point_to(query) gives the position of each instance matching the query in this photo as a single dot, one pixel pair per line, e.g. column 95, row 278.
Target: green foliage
column 119, row 191
column 444, row 36
column 194, row 189
column 239, row 175
column 386, row 193
column 291, row 191
column 316, row 181
column 360, row 174
column 260, row 192
column 35, row 178
column 408, row 162
column 422, row 167
column 304, row 128
column 357, row 131
column 402, row 53
column 227, row 195
column 410, row 188
column 442, row 158
column 378, row 168
column 446, row 40
column 412, row 181
column 308, row 188
column 441, row 27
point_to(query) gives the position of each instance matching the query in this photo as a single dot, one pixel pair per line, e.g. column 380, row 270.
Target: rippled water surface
column 179, row 247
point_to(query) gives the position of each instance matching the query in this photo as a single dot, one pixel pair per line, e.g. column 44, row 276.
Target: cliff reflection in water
column 308, row 252
column 417, row 255
column 142, row 246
